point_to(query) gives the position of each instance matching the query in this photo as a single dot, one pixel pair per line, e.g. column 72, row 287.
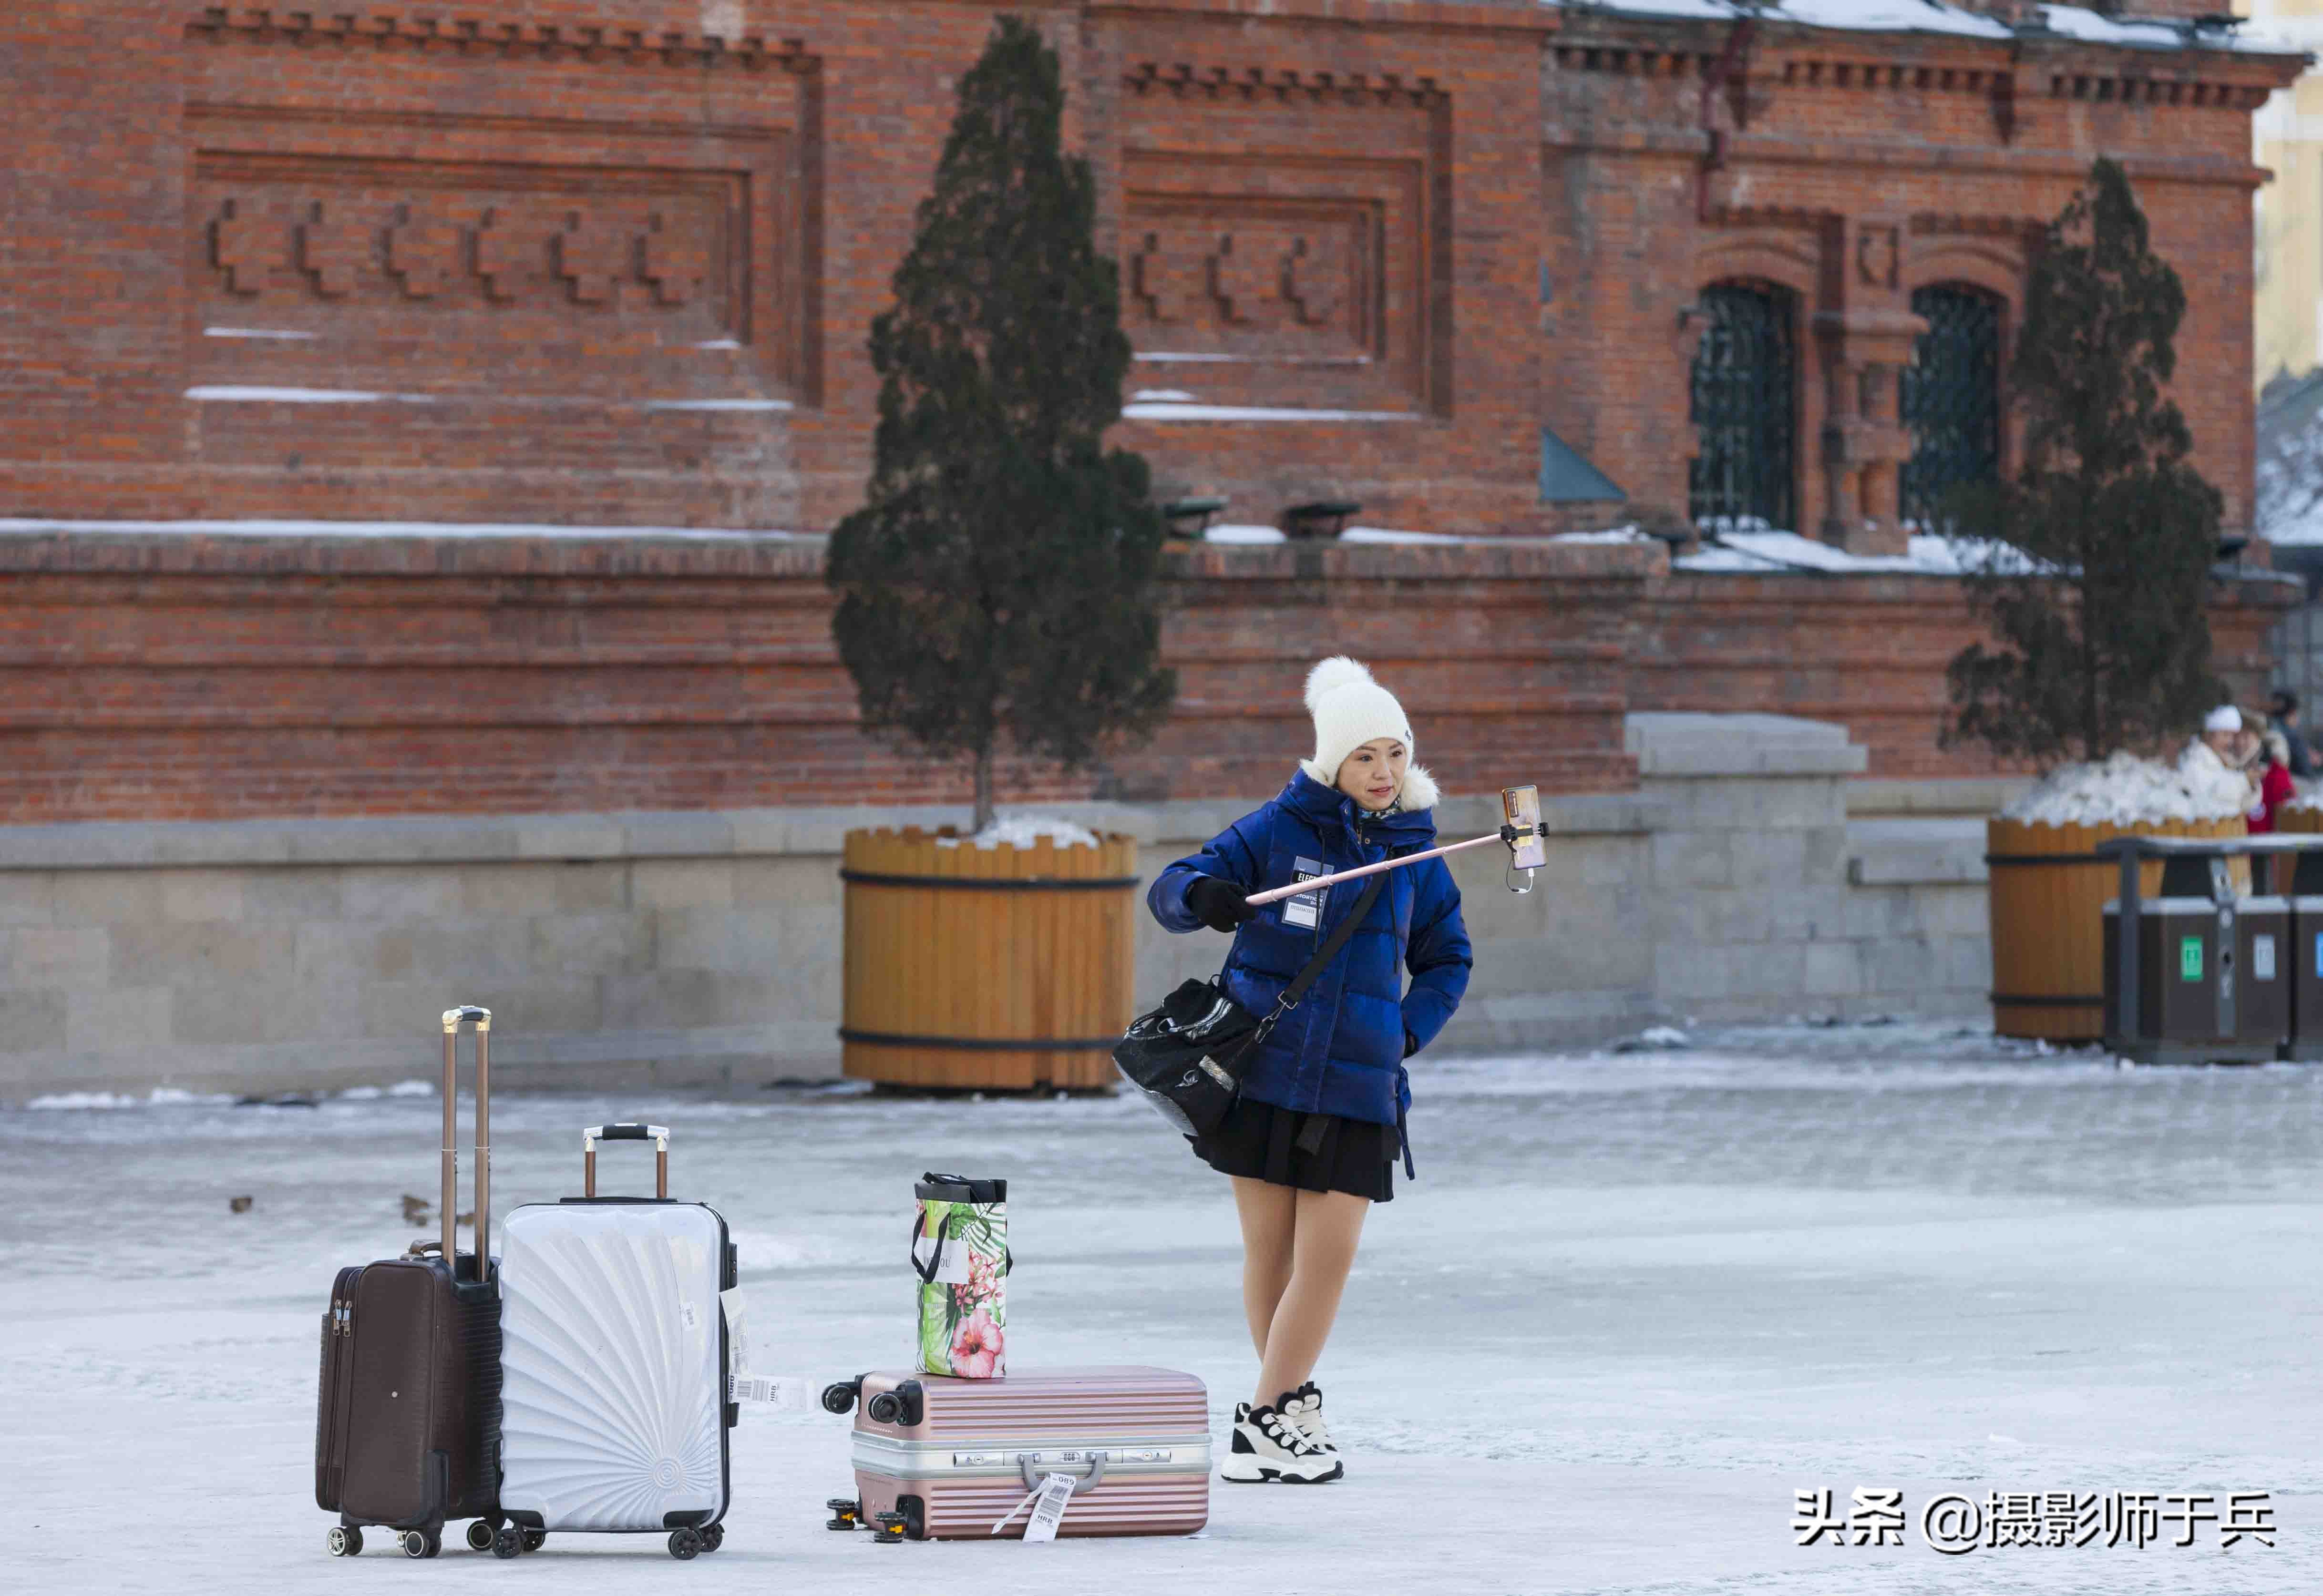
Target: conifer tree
column 997, row 586
column 2096, row 560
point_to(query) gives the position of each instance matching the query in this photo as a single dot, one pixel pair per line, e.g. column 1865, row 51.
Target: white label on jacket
column 1056, row 1493
column 1306, row 910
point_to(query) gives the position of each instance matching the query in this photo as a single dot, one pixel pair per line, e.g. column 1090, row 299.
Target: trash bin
column 2214, row 970
column 2306, row 1038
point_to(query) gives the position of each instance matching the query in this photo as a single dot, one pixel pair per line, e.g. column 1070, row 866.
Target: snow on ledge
column 718, row 404
column 236, row 393
column 1933, row 16
column 1610, row 535
column 1766, row 550
column 1173, row 410
column 360, row 530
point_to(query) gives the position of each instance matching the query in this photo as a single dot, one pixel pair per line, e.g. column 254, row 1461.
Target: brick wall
column 175, row 677
column 1867, row 653
column 553, row 262
column 183, row 678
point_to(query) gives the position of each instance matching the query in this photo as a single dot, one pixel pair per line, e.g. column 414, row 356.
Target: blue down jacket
column 1341, row 1050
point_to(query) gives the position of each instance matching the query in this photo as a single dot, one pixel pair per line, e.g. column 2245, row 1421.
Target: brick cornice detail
column 1428, row 16
column 1253, row 83
column 507, row 41
column 2063, row 68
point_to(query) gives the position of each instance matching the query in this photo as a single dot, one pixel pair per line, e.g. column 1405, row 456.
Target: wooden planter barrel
column 1001, row 968
column 2049, row 889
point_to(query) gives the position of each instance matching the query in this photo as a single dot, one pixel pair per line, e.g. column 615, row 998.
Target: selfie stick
column 1512, row 835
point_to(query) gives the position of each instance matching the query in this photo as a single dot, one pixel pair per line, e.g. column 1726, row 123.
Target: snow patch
column 1161, row 395
column 1174, row 411
column 412, row 1088
column 1025, row 831
column 1753, row 546
column 1933, row 16
column 719, row 404
column 159, row 1098
column 1237, row 534
column 2075, row 22
column 233, row 393
column 1654, row 1038
column 1387, row 535
column 2126, row 790
column 1609, row 535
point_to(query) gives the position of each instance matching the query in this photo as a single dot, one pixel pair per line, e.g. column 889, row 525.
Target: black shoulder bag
column 1187, row 1055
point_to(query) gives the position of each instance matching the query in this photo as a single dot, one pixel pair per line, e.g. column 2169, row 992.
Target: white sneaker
column 1269, row 1449
column 1304, row 1407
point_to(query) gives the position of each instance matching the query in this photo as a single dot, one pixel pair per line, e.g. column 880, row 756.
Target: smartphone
column 1522, row 806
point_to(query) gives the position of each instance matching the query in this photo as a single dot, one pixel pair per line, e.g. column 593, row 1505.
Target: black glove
column 1411, row 1044
column 1218, row 905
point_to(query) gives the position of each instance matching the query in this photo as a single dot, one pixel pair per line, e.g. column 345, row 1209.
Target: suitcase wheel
column 344, row 1540
column 888, row 1530
column 421, row 1543
column 841, row 1397
column 533, row 1539
column 479, row 1535
column 713, row 1535
column 510, row 1542
column 846, row 1513
column 685, row 1544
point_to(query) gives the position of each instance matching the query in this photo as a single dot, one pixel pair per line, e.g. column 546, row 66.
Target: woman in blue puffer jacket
column 1311, row 1138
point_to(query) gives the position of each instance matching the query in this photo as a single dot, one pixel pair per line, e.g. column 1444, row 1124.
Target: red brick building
column 1488, row 269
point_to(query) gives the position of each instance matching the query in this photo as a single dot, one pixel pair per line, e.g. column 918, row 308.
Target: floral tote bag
column 959, row 1250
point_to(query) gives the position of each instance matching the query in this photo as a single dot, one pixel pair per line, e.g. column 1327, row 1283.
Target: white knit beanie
column 1350, row 710
column 2224, row 718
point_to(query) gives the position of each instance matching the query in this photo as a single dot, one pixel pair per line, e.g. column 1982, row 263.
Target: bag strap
column 1296, row 990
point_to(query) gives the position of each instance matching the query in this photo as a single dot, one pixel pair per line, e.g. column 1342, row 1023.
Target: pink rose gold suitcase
column 948, row 1459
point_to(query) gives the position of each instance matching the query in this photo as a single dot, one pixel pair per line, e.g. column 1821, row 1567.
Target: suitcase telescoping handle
column 482, row 1018
column 656, row 1135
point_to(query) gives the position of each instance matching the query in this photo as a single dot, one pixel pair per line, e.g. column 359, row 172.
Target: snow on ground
column 1634, row 1302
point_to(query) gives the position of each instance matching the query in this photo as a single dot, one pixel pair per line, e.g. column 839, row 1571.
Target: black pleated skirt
column 1310, row 1151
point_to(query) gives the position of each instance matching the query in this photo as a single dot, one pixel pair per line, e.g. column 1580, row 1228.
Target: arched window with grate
column 1743, row 400
column 1952, row 396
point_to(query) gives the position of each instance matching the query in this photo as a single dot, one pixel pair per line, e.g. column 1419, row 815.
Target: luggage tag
column 1306, row 910
column 1047, row 1502
column 785, row 1393
column 737, row 1338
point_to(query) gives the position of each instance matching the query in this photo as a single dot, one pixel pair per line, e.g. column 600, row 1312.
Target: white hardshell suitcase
column 615, row 1362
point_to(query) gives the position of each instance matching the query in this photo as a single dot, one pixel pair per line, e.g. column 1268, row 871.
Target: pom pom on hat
column 2224, row 718
column 1351, row 709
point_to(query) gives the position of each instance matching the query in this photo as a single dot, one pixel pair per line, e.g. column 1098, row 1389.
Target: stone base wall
column 1750, row 877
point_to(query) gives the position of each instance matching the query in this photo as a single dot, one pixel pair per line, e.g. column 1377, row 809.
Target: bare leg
column 1269, row 1213
column 1328, row 1227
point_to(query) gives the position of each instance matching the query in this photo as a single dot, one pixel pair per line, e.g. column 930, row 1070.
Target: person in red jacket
column 2271, row 764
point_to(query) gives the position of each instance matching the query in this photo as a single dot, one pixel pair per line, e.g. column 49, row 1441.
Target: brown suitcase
column 407, row 1427
column 948, row 1459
